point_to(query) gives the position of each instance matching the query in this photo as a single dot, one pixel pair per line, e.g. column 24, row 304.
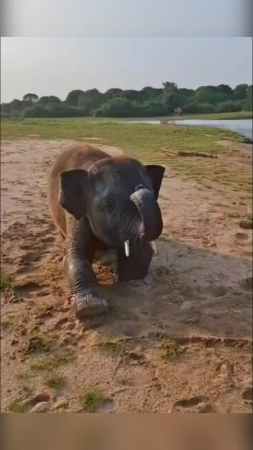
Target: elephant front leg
column 85, row 297
column 136, row 265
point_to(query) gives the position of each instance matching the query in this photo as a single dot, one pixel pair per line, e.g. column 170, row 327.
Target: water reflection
column 243, row 126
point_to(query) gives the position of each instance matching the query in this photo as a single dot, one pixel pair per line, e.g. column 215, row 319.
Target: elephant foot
column 89, row 305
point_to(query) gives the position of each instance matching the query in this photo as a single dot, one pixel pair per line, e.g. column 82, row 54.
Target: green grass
column 113, row 347
column 50, row 362
column 24, row 375
column 91, row 400
column 144, row 140
column 54, row 381
column 149, row 143
column 28, row 390
column 215, row 116
column 6, row 282
column 38, row 344
column 17, row 407
column 5, row 324
column 170, row 350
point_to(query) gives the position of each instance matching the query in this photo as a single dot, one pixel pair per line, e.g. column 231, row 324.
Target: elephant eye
column 110, row 205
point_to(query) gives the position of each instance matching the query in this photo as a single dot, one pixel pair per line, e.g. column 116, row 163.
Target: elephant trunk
column 150, row 213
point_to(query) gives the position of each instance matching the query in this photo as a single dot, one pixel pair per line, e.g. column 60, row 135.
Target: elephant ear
column 72, row 192
column 156, row 174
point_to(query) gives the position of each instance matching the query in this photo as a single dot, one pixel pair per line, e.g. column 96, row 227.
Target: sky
column 55, row 66
column 122, row 18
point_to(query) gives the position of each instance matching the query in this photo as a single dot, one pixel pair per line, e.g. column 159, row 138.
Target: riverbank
column 217, row 116
column 155, row 144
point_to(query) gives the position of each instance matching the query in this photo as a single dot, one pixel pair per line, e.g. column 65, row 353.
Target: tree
column 231, row 106
column 4, row 115
column 153, row 108
column 187, row 93
column 249, row 98
column 152, row 93
column 146, row 102
column 118, row 107
column 113, row 91
column 36, row 111
column 198, row 108
column 225, row 89
column 170, row 86
column 147, row 89
column 32, row 98
column 16, row 104
column 72, row 97
column 48, row 99
column 90, row 100
column 207, row 94
column 92, row 92
column 6, row 108
column 240, row 91
column 171, row 100
column 135, row 96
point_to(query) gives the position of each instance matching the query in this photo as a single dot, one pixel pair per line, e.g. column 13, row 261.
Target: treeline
column 148, row 102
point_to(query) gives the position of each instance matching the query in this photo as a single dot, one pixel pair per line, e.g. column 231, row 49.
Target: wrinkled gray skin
column 98, row 202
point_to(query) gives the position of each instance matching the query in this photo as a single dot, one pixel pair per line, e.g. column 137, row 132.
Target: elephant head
column 119, row 196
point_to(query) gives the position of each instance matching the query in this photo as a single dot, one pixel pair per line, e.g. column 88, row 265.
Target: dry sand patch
column 177, row 341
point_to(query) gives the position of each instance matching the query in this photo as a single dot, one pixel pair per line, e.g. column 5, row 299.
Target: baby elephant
column 99, row 202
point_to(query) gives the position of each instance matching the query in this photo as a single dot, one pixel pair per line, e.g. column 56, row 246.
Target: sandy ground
column 178, row 341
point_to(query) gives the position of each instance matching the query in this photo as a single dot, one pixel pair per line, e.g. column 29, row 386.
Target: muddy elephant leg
column 137, row 264
column 86, row 300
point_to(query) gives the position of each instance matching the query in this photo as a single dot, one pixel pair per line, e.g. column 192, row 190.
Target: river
column 243, row 126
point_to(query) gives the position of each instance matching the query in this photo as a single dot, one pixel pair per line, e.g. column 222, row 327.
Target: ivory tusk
column 127, row 248
column 154, row 247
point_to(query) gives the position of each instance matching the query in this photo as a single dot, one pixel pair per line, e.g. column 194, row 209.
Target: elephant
column 100, row 202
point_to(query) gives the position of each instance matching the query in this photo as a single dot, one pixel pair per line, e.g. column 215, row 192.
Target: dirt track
column 169, row 353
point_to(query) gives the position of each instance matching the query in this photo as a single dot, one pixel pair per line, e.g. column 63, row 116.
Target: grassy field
column 151, row 143
column 217, row 116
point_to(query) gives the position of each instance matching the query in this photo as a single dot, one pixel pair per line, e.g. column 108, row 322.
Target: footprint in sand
column 30, row 289
column 241, row 238
column 246, row 284
column 213, row 290
column 196, row 404
column 247, row 395
column 106, row 406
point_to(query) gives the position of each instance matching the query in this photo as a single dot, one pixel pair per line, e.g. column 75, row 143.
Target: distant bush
column 198, row 108
column 118, row 107
column 153, row 108
column 43, row 101
column 15, row 114
column 53, row 110
column 34, row 112
column 63, row 110
column 148, row 102
column 6, row 108
column 230, row 106
column 249, row 95
column 4, row 116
